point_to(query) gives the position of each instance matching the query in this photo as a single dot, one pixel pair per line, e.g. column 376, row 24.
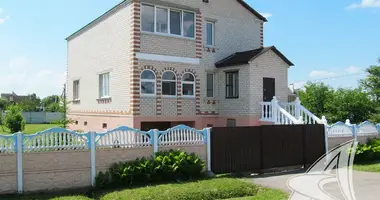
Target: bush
column 13, row 119
column 166, row 166
column 368, row 152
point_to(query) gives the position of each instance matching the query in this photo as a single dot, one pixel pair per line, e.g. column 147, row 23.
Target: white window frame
column 188, row 82
column 76, row 89
column 169, row 10
column 104, row 85
column 213, row 84
column 162, row 84
column 149, row 81
column 213, row 34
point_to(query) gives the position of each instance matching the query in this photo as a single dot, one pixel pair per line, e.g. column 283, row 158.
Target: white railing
column 55, row 139
column 123, row 137
column 290, row 107
column 181, row 135
column 7, row 143
column 282, row 117
column 308, row 117
column 266, row 111
column 340, row 129
column 347, row 129
column 367, row 129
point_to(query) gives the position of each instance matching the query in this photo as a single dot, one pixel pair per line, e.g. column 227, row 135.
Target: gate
column 243, row 149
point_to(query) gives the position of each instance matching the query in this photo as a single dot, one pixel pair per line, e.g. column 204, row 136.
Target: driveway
column 366, row 185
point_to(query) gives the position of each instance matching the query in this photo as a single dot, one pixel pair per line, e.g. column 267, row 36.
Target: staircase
column 286, row 113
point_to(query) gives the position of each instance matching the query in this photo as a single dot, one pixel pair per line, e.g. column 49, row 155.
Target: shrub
column 13, row 119
column 168, row 166
column 368, row 152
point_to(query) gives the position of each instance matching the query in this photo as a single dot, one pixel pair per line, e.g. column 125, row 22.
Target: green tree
column 4, row 103
column 30, row 104
column 13, row 119
column 353, row 104
column 372, row 82
column 51, row 103
column 316, row 97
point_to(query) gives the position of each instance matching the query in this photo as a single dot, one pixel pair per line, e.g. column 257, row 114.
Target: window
column 210, row 85
column 232, row 84
column 168, row 21
column 162, row 20
column 104, row 85
column 85, row 123
column 104, row 125
column 188, row 85
column 175, row 22
column 231, row 122
column 76, row 122
column 147, row 18
column 210, row 33
column 76, row 90
column 169, row 84
column 148, row 82
column 188, row 24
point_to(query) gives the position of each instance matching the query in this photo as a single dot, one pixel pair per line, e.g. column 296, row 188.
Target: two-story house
column 159, row 63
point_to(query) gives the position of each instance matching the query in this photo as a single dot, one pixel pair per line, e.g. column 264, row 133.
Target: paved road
column 366, row 185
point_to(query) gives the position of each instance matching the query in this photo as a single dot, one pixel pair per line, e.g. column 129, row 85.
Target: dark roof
column 253, row 11
column 244, row 4
column 241, row 58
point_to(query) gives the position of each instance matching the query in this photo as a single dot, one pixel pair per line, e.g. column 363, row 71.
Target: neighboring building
column 159, row 63
column 13, row 97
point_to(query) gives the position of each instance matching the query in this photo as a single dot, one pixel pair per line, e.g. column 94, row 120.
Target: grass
column 219, row 188
column 368, row 167
column 31, row 128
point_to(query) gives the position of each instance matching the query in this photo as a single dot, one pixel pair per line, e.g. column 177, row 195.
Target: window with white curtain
column 169, row 21
column 104, row 85
column 148, row 83
column 188, row 85
column 76, row 90
column 210, row 33
column 169, row 84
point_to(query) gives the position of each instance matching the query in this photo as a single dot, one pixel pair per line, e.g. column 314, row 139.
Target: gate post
column 91, row 137
column 19, row 150
column 324, row 120
column 208, row 143
column 274, row 109
column 155, row 142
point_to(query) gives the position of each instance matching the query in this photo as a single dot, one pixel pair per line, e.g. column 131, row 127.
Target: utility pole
column 64, row 105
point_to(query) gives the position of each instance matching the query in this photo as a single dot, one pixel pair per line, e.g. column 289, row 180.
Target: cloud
column 352, row 70
column 1, row 10
column 266, row 15
column 25, row 77
column 365, row 4
column 321, row 74
column 2, row 20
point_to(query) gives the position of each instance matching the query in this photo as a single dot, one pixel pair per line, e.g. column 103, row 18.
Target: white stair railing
column 281, row 116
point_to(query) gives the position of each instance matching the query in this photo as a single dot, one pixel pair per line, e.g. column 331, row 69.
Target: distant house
column 13, row 97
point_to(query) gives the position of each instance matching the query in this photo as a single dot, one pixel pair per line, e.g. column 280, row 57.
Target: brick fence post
column 18, row 147
column 91, row 137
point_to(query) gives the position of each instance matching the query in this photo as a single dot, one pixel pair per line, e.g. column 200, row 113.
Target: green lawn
column 219, row 188
column 30, row 128
column 371, row 167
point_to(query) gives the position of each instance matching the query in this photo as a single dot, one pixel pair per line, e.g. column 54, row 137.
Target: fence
column 61, row 159
column 261, row 148
column 340, row 132
column 40, row 117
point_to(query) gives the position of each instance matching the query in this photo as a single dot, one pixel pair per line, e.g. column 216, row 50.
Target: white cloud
column 321, row 74
column 2, row 20
column 25, row 77
column 352, row 70
column 266, row 15
column 365, row 4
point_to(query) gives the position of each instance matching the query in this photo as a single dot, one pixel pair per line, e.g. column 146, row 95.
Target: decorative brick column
column 261, row 34
column 198, row 35
column 135, row 48
column 158, row 93
column 179, row 94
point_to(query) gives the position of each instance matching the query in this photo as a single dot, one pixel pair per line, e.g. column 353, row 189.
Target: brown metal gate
column 240, row 149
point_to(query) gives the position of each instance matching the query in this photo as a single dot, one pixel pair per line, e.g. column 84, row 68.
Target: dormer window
column 169, row 21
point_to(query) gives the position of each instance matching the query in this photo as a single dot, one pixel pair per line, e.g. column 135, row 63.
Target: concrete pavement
column 366, row 185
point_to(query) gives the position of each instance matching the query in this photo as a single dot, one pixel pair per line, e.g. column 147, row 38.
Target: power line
column 333, row 77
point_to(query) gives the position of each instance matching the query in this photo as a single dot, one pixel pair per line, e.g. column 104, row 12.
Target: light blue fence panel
column 366, row 129
column 378, row 128
column 55, row 139
column 7, row 144
column 340, row 129
column 123, row 137
column 182, row 135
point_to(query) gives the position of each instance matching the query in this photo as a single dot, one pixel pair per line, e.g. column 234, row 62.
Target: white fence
column 58, row 139
column 40, row 117
column 347, row 129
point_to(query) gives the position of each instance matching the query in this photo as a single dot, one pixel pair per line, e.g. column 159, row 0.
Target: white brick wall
column 104, row 47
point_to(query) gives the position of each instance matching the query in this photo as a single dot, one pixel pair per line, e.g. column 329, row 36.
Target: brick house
column 159, row 63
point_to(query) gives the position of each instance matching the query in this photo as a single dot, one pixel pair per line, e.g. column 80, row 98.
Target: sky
column 328, row 41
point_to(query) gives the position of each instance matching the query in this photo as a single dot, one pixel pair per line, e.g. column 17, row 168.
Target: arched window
column 169, row 84
column 188, row 85
column 148, row 83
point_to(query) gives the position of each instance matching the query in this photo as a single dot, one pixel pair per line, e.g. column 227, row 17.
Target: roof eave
column 253, row 11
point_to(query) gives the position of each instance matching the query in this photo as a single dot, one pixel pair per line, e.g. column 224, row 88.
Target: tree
column 13, row 119
column 316, row 97
column 4, row 103
column 51, row 103
column 372, row 82
column 31, row 104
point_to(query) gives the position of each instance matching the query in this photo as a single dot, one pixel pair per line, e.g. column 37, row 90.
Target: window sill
column 232, row 97
column 188, row 97
column 76, row 101
column 104, row 100
column 167, row 35
column 169, row 97
column 146, row 96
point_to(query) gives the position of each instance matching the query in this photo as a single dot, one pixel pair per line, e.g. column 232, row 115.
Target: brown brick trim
column 100, row 112
column 198, row 35
column 135, row 48
column 261, row 34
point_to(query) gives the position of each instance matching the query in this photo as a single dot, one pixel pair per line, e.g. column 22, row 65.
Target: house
column 159, row 63
column 13, row 97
